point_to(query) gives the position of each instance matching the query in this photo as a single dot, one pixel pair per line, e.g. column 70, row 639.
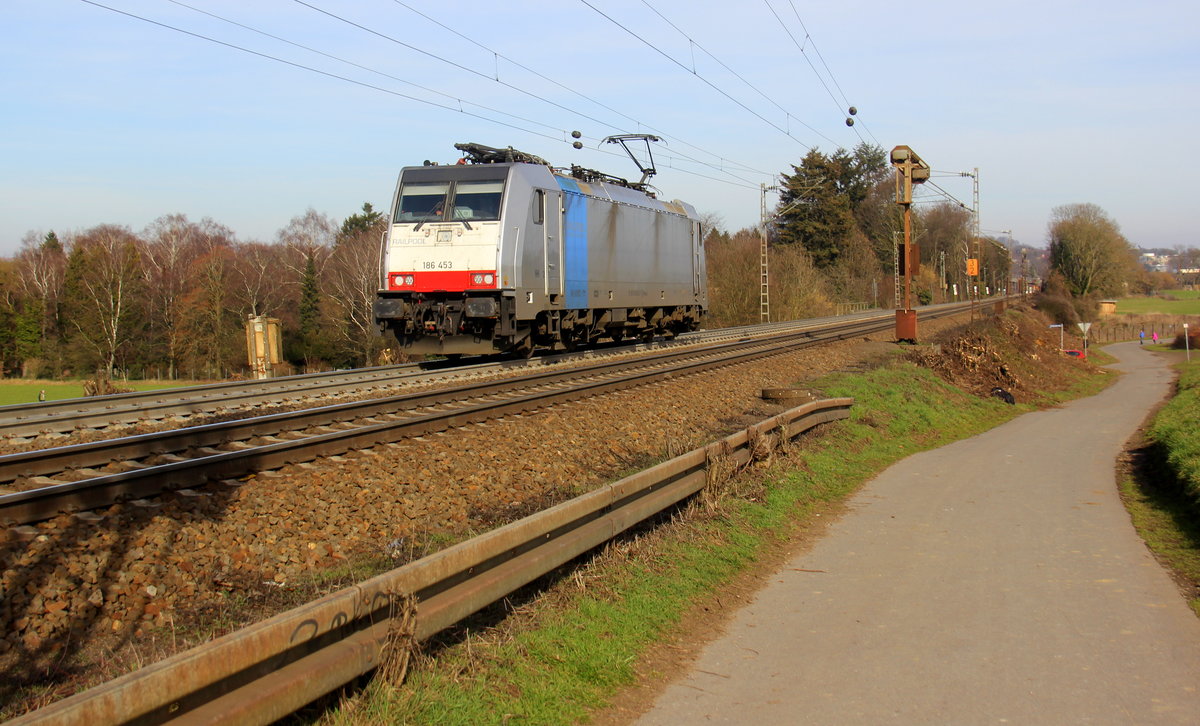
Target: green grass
column 1176, row 430
column 1167, row 521
column 1185, row 302
column 575, row 655
column 1164, row 499
column 20, row 391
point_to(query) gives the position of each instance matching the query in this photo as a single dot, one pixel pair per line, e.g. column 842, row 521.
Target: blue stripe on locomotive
column 575, row 252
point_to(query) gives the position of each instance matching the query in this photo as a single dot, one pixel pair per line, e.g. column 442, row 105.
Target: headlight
column 489, row 279
column 477, row 278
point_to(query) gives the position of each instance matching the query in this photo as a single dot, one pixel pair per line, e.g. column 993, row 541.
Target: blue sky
column 109, row 119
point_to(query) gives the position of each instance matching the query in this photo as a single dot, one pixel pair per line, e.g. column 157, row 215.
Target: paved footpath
column 994, row 580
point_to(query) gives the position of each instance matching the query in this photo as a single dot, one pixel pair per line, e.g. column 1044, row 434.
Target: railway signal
column 910, row 170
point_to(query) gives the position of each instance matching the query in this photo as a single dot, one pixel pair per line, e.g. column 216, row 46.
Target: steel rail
column 22, row 420
column 266, row 671
column 124, row 408
column 44, row 462
column 97, row 491
column 21, row 508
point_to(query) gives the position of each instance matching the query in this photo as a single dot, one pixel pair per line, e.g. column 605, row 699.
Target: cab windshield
column 468, row 201
column 477, row 199
column 422, row 202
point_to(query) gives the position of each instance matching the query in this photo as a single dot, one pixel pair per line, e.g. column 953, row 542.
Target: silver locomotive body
column 499, row 257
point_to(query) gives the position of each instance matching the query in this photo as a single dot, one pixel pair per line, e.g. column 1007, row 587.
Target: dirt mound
column 1016, row 351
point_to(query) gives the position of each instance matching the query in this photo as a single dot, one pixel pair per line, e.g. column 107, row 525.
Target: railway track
column 20, row 423
column 262, row 673
column 271, row 668
column 85, row 477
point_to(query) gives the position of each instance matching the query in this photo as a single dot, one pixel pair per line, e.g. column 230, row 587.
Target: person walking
column 1154, row 337
column 1142, row 337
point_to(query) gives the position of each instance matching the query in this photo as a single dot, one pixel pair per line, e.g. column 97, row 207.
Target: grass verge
column 19, row 391
column 563, row 651
column 1172, row 302
column 1162, row 488
column 1176, row 431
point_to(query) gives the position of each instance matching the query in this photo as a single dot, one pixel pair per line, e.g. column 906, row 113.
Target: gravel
column 98, row 590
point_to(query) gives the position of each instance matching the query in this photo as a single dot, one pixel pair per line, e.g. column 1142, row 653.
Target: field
column 1184, row 302
column 20, row 391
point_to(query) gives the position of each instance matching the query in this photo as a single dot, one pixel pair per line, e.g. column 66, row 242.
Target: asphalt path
column 995, row 580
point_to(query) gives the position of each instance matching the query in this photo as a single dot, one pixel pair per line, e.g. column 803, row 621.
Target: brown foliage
column 796, row 289
column 1015, row 351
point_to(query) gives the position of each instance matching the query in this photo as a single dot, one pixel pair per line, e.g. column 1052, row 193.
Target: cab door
column 551, row 213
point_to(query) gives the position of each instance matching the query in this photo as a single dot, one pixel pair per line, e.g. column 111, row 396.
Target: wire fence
column 1115, row 330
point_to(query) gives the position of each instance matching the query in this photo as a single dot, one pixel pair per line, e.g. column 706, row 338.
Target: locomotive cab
column 508, row 255
column 442, row 286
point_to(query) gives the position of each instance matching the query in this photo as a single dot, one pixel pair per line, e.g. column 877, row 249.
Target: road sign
column 1083, row 328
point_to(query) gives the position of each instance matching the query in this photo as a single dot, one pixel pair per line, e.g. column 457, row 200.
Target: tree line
column 832, row 238
column 172, row 300
column 834, row 232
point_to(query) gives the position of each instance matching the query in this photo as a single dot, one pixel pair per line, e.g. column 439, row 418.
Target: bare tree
column 351, row 282
column 40, row 266
column 103, row 282
column 1088, row 249
column 172, row 245
column 309, row 235
column 209, row 319
column 946, row 228
column 260, row 279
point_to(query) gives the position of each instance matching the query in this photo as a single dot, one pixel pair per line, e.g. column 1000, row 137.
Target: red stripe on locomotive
column 442, row 280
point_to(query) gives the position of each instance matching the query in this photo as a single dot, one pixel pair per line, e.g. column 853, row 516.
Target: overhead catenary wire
column 311, row 69
column 808, row 37
column 447, row 61
column 468, row 69
column 360, row 66
column 417, row 85
column 810, row 63
column 563, row 136
column 801, row 47
column 739, row 76
column 641, row 124
column 707, row 82
column 945, row 196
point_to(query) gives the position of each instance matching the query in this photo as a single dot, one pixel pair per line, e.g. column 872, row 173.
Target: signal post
column 910, row 170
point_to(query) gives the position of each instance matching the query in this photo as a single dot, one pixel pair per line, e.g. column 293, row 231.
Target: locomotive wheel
column 524, row 349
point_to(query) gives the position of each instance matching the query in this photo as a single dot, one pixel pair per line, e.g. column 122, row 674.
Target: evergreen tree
column 357, row 224
column 813, row 212
column 311, row 343
column 51, row 244
column 27, row 331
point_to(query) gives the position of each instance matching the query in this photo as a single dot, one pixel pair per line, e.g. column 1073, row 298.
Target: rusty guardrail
column 268, row 670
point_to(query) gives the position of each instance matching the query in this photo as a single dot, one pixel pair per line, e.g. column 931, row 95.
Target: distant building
column 1156, row 262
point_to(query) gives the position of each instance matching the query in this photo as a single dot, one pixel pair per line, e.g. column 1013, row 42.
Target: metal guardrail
column 268, row 670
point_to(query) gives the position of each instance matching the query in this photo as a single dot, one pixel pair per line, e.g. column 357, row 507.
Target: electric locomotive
column 502, row 253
